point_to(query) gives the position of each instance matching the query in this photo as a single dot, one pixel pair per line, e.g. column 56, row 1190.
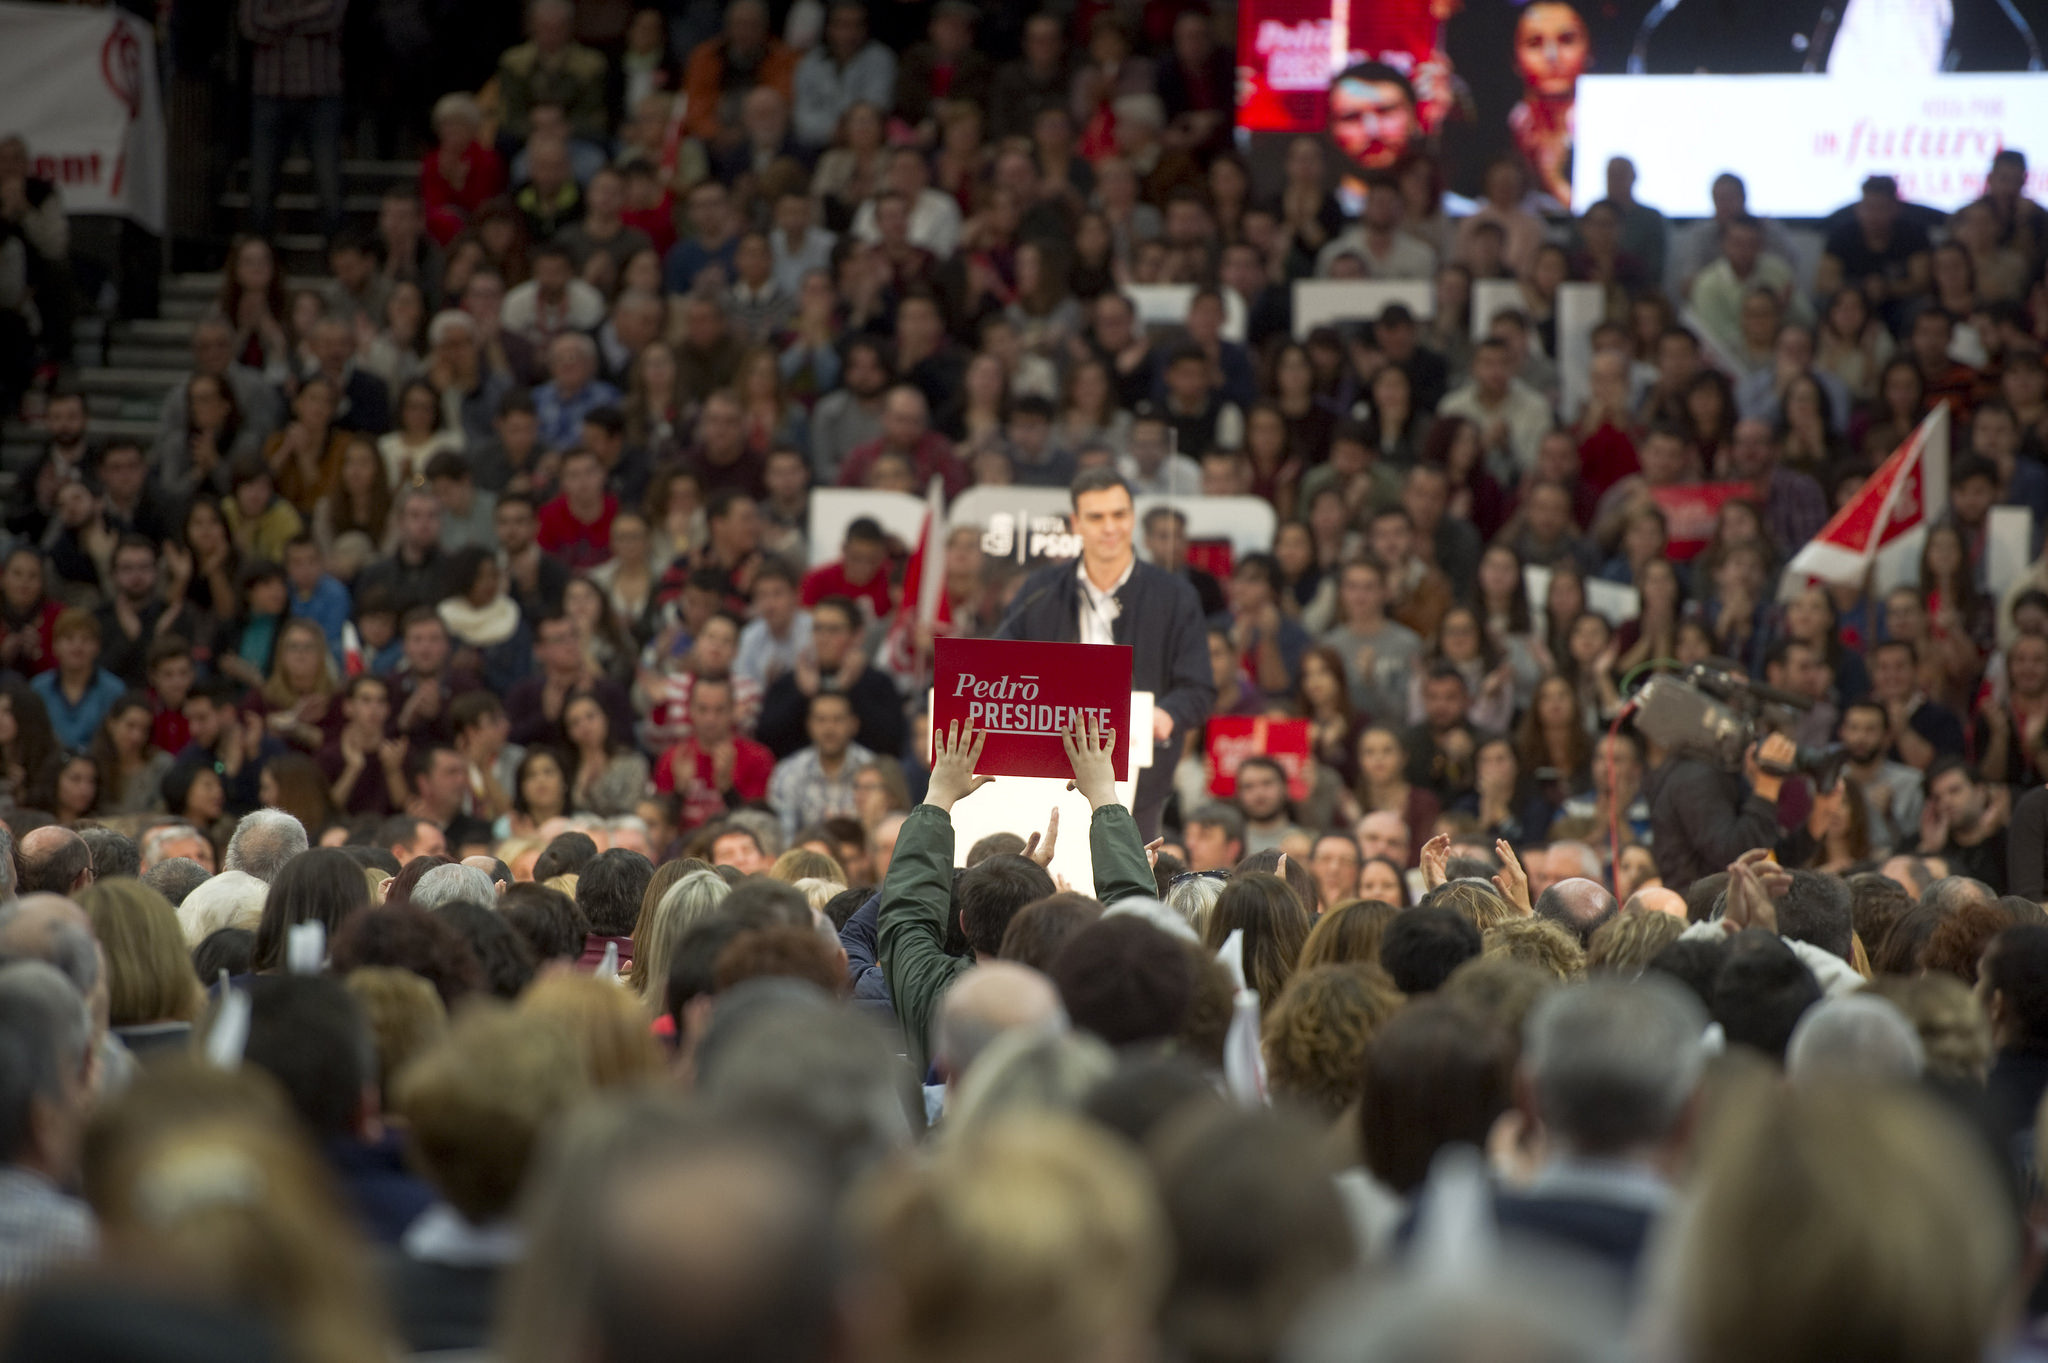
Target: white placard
column 834, row 508
column 1247, row 522
column 79, row 85
column 2008, row 548
column 1020, row 804
column 1580, row 308
column 1166, row 305
column 1802, row 144
column 1328, row 302
column 1491, row 298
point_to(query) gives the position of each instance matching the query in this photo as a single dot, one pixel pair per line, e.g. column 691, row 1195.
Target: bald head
column 1577, row 905
column 1656, row 899
column 500, row 874
column 52, row 929
column 1384, row 834
column 987, row 1001
column 54, row 860
column 721, row 1253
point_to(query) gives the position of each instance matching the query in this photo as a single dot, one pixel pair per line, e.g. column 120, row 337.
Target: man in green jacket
column 918, row 892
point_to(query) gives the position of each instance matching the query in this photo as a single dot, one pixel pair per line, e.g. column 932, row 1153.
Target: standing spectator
column 572, row 391
column 461, row 173
column 296, row 90
column 723, row 69
column 848, row 68
column 1879, row 252
column 945, row 67
column 551, row 68
column 34, row 207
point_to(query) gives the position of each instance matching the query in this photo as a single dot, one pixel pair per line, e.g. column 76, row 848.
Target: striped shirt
column 297, row 47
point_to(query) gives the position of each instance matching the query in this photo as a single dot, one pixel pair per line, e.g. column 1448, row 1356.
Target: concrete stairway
column 127, row 367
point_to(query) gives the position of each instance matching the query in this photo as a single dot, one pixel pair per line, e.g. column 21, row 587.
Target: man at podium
column 1110, row 597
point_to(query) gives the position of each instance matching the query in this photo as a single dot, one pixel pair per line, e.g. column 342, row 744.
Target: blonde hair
column 1954, row 1032
column 685, row 904
column 608, row 1024
column 149, row 969
column 479, row 1098
column 1348, row 934
column 818, row 893
column 1840, row 1222
column 1626, row 943
column 566, row 884
column 1537, row 942
column 801, row 863
column 1037, row 1238
column 406, row 1016
column 241, row 1213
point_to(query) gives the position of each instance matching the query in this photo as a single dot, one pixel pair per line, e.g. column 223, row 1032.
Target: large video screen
column 1802, row 97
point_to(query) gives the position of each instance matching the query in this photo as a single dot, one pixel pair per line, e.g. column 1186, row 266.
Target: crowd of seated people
column 466, row 603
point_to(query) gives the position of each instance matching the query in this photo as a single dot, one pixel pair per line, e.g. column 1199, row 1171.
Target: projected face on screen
column 1372, row 115
column 1551, row 49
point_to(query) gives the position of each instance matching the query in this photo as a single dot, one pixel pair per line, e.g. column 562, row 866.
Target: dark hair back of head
column 1875, row 903
column 309, row 1033
column 2016, row 972
column 567, row 855
column 1760, row 992
column 1421, row 948
column 989, row 895
column 1042, row 927
column 554, row 928
column 1293, row 870
column 406, row 938
column 1124, row 980
column 507, row 961
column 320, row 883
column 1256, row 1233
column 1819, row 909
column 609, row 888
column 1702, row 895
column 1275, row 927
column 758, row 902
column 1437, row 1074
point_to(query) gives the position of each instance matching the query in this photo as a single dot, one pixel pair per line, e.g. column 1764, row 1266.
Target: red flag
column 923, row 598
column 1909, row 490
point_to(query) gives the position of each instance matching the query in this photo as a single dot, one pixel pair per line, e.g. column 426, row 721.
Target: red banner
column 1233, row 738
column 1025, row 694
column 1690, row 510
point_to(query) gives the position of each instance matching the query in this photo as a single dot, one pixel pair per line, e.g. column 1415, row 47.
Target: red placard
column 1233, row 738
column 1690, row 510
column 1214, row 557
column 1025, row 693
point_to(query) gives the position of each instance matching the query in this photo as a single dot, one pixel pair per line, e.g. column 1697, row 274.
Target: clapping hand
column 1753, row 884
column 958, row 750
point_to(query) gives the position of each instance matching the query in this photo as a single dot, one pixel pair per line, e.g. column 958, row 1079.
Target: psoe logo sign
column 1026, row 538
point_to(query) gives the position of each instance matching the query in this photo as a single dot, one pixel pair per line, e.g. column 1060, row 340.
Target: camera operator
column 1703, row 816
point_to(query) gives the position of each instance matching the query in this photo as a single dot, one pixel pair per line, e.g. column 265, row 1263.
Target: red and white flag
column 1909, row 490
column 923, row 599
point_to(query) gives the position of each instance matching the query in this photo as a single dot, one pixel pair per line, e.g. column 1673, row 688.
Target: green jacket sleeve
column 1121, row 868
column 916, row 896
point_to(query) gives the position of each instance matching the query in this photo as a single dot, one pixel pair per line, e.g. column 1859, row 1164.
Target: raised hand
column 1040, row 849
column 1511, row 880
column 958, row 750
column 1088, row 751
column 1436, row 856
